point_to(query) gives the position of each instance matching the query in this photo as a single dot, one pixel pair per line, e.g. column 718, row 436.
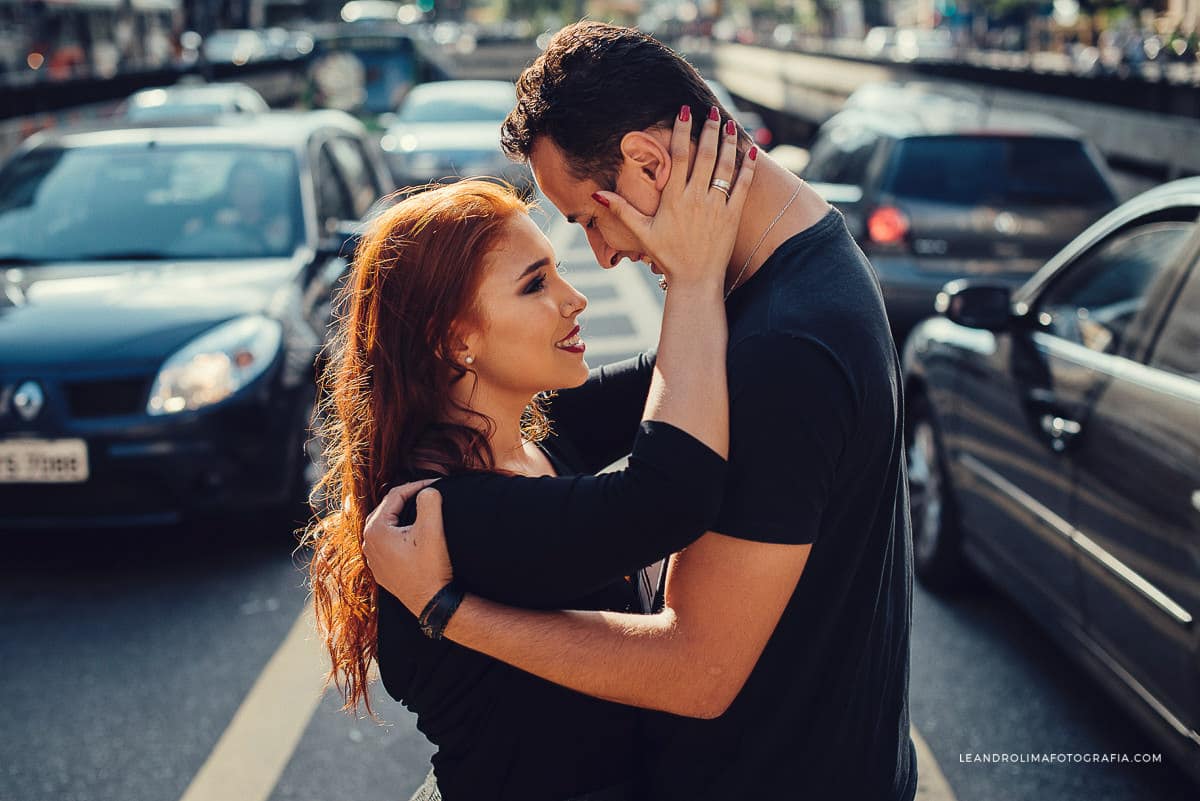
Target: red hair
column 386, row 395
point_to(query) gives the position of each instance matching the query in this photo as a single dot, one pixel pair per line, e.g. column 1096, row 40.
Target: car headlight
column 215, row 365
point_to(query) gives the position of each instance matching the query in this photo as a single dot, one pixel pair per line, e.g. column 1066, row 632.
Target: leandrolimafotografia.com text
column 1057, row 758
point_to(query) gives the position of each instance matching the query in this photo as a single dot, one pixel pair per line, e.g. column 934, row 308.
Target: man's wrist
column 441, row 607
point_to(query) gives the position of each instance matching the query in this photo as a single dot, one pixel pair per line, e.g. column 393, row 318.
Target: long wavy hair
column 385, row 395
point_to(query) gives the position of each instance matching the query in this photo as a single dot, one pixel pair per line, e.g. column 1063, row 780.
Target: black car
column 166, row 290
column 938, row 187
column 1054, row 445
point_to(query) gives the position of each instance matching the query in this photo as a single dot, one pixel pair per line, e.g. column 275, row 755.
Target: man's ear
column 649, row 152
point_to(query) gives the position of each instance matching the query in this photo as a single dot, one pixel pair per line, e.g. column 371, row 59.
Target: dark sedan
column 1054, row 445
column 166, row 291
column 936, row 187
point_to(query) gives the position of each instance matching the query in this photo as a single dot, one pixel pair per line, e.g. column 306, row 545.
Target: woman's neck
column 505, row 437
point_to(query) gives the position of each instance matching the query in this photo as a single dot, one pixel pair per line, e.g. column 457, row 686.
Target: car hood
column 130, row 312
column 459, row 136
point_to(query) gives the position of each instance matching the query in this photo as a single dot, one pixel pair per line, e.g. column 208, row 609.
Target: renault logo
column 28, row 400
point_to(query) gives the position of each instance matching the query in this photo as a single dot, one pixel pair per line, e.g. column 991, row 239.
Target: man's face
column 609, row 239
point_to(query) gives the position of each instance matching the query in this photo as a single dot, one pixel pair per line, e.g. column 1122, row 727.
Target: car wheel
column 937, row 544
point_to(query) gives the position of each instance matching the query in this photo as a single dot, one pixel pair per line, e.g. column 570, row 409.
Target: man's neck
column 772, row 188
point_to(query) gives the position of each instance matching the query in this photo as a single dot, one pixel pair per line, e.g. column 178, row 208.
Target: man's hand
column 410, row 562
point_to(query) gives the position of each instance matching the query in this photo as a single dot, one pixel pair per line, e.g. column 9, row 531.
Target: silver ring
column 723, row 186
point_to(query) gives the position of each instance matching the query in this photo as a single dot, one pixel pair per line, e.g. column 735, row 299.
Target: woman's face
column 526, row 339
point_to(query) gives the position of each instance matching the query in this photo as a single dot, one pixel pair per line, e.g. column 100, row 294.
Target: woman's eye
column 536, row 285
column 591, row 223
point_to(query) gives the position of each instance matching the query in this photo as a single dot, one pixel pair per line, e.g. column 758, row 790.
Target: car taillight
column 762, row 136
column 887, row 225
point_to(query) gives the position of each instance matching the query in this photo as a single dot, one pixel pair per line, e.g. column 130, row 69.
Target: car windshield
column 457, row 107
column 150, row 202
column 168, row 111
column 997, row 170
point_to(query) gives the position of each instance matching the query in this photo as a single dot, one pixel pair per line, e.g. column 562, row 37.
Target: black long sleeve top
column 551, row 542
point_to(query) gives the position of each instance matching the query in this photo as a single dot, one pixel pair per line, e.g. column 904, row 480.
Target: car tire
column 937, row 539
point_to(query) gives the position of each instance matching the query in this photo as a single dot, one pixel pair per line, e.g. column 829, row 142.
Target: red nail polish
column 685, row 113
column 730, row 128
column 753, row 153
column 601, row 199
column 714, row 114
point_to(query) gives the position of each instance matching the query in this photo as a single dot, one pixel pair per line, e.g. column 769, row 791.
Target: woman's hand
column 410, row 562
column 691, row 236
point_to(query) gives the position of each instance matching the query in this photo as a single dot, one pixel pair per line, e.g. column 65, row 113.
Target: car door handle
column 1060, row 429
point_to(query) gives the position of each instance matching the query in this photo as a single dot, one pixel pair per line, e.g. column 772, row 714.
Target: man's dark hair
column 595, row 83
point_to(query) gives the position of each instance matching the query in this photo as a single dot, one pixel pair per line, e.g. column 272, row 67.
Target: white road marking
column 251, row 754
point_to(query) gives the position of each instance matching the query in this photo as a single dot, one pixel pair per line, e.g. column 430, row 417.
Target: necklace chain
column 758, row 244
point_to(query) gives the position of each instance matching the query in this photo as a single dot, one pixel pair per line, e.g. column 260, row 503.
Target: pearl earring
column 469, row 360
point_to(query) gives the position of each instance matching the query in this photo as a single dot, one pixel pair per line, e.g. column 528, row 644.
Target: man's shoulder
column 786, row 362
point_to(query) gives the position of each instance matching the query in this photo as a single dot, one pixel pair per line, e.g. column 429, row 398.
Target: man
column 783, row 653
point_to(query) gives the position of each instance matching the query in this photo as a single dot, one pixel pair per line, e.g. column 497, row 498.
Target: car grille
column 107, row 397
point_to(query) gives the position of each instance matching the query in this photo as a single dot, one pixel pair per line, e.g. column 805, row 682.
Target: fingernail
column 601, row 199
column 753, row 153
column 685, row 113
column 714, row 114
column 730, row 128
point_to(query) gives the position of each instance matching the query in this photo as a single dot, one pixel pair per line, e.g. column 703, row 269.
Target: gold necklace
column 758, row 244
column 662, row 280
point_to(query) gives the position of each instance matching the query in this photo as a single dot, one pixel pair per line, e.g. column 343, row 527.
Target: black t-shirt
column 816, row 457
column 507, row 735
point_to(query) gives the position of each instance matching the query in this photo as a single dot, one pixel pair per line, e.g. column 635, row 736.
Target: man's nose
column 604, row 254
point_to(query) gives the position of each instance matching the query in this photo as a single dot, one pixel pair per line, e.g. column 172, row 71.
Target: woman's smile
column 573, row 342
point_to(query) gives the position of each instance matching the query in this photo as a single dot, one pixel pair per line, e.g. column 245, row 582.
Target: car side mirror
column 986, row 306
column 341, row 239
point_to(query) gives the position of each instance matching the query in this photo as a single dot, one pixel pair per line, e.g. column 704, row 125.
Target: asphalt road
column 124, row 658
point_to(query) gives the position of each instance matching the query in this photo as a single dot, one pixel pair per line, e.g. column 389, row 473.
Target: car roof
column 904, row 110
column 289, row 129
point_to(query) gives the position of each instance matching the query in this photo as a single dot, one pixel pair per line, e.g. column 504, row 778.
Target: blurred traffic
column 181, row 180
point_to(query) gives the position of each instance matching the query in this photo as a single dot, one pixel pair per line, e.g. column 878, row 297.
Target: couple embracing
column 507, row 605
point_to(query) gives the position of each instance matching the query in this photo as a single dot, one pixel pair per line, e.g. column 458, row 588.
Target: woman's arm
column 548, row 541
column 600, row 418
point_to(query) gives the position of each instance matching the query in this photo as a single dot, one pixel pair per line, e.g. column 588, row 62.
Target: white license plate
column 43, row 461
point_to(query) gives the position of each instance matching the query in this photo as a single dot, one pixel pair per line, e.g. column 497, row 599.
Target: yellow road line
column 931, row 782
column 248, row 760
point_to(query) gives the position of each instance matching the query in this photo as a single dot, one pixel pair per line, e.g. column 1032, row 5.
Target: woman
column 456, row 323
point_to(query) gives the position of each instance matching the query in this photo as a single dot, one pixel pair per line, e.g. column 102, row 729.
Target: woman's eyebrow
column 537, row 265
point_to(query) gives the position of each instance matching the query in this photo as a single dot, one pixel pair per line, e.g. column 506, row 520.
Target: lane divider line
column 931, row 782
column 254, row 749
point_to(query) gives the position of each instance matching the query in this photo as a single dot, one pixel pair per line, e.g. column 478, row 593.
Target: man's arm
column 724, row 598
column 726, row 591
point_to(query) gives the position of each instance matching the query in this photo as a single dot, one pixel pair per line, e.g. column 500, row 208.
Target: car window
column 1178, row 347
column 1100, row 299
column 841, row 156
column 352, row 164
column 995, row 170
column 332, row 203
column 160, row 202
